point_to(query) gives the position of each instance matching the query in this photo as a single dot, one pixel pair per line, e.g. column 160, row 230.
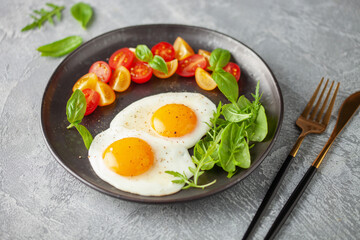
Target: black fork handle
column 291, row 202
column 268, row 197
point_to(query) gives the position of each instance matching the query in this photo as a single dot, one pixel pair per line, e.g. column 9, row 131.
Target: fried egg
column 178, row 117
column 134, row 161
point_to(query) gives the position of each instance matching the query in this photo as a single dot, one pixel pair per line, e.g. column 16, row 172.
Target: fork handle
column 290, row 204
column 268, row 197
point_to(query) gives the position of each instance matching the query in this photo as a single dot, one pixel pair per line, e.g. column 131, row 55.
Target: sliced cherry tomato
column 172, row 66
column 120, row 80
column 140, row 72
column 87, row 81
column 234, row 69
column 107, row 95
column 102, row 70
column 204, row 80
column 92, row 100
column 182, row 49
column 206, row 54
column 122, row 57
column 188, row 66
column 164, row 50
column 90, row 80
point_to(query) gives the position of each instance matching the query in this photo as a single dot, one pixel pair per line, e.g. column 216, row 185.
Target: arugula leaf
column 44, row 16
column 75, row 110
column 159, row 63
column 233, row 113
column 76, row 107
column 156, row 62
column 61, row 47
column 219, row 58
column 82, row 12
column 204, row 161
column 227, row 84
column 200, row 150
column 233, row 149
column 85, row 134
column 143, row 53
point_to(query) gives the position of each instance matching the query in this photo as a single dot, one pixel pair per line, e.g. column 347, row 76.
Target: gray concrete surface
column 300, row 40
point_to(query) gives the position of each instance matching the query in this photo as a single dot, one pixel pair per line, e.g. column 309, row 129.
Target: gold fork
column 311, row 120
column 307, row 122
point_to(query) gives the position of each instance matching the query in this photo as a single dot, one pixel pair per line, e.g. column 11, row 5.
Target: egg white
column 154, row 182
column 138, row 115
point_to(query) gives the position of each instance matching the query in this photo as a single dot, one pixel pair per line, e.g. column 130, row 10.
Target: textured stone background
column 300, row 40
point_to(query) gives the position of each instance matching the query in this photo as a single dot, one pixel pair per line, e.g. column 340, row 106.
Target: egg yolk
column 129, row 156
column 174, row 120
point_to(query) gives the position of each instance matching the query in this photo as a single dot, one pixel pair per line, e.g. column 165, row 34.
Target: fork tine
column 314, row 111
column 324, row 104
column 310, row 103
column 328, row 112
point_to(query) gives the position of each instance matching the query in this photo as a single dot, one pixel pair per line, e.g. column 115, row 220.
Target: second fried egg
column 178, row 117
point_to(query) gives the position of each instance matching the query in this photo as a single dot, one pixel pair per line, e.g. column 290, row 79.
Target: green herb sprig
column 156, row 62
column 75, row 110
column 232, row 127
column 41, row 16
column 82, row 12
column 61, row 47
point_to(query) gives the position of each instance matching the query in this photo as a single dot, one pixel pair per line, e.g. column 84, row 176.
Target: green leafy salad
column 233, row 128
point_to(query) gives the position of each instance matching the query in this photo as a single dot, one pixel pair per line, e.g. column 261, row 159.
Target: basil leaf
column 158, row 63
column 259, row 129
column 232, row 113
column 61, row 47
column 82, row 12
column 76, row 107
column 219, row 58
column 233, row 149
column 227, row 84
column 85, row 134
column 143, row 53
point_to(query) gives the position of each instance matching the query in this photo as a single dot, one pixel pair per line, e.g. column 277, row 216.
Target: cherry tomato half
column 92, row 100
column 182, row 49
column 234, row 69
column 171, row 66
column 122, row 57
column 188, row 66
column 90, row 80
column 164, row 50
column 102, row 71
column 140, row 72
column 206, row 54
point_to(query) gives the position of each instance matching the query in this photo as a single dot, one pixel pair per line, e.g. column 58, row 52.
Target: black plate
column 67, row 145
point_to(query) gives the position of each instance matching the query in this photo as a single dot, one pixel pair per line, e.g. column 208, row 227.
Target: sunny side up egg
column 149, row 137
column 178, row 117
column 134, row 161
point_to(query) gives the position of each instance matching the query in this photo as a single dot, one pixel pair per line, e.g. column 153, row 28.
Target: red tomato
column 92, row 100
column 102, row 71
column 140, row 72
column 234, row 69
column 164, row 50
column 122, row 57
column 188, row 66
